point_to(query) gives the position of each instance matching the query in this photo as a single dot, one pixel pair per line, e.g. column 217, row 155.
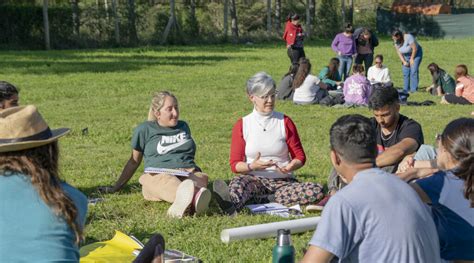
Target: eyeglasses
column 378, row 62
column 439, row 137
column 268, row 96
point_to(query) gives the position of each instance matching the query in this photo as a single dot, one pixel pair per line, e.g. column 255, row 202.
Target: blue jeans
column 411, row 73
column 345, row 64
column 426, row 153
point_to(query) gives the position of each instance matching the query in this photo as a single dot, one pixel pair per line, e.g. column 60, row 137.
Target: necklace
column 390, row 136
column 264, row 127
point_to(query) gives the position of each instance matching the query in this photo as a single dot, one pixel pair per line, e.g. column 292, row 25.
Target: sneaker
column 222, row 196
column 184, row 198
column 320, row 205
column 201, row 201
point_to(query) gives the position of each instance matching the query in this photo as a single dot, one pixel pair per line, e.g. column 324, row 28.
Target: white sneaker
column 184, row 197
column 201, row 201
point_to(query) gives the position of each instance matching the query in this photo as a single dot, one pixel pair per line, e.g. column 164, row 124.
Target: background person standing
column 294, row 37
column 344, row 45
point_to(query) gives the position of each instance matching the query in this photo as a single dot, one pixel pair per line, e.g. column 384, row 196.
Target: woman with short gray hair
column 265, row 151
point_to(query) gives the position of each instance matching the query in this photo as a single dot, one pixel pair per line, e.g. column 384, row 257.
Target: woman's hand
column 412, row 61
column 405, row 63
column 290, row 167
column 408, row 162
column 416, row 173
column 258, row 164
column 106, row 189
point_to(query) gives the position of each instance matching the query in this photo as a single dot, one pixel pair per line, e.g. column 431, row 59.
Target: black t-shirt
column 406, row 128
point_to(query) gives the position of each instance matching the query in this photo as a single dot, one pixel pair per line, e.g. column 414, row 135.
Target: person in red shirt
column 265, row 151
column 294, row 37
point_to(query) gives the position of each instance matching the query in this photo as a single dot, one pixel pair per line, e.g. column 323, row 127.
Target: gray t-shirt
column 405, row 48
column 377, row 218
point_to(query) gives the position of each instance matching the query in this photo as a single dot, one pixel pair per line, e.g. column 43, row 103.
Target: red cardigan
column 237, row 146
column 291, row 31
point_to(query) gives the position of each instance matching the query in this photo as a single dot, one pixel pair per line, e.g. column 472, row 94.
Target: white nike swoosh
column 165, row 149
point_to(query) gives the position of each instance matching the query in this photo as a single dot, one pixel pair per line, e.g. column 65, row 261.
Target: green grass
column 108, row 91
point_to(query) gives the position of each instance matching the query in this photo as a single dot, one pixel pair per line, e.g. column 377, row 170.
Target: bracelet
column 250, row 168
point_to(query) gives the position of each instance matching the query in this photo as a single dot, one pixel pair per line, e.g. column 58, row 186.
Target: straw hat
column 24, row 128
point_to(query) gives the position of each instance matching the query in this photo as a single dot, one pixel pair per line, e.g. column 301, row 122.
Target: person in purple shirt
column 357, row 88
column 344, row 45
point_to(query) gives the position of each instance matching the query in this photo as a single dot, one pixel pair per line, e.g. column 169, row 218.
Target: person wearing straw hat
column 41, row 217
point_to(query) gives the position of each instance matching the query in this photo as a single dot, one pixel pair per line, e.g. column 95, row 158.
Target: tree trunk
column 310, row 10
column 75, row 17
column 106, row 7
column 350, row 14
column 116, row 22
column 277, row 16
column 132, row 28
column 46, row 25
column 226, row 17
column 269, row 16
column 343, row 11
column 171, row 22
column 234, row 26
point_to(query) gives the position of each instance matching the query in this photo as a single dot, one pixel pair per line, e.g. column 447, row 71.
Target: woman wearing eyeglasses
column 450, row 192
column 265, row 151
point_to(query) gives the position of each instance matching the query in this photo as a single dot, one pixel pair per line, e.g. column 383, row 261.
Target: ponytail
column 458, row 140
column 465, row 171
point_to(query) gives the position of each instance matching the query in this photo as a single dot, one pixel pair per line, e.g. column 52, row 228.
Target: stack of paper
column 276, row 209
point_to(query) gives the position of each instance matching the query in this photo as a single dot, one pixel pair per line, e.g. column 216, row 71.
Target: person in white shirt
column 308, row 88
column 378, row 73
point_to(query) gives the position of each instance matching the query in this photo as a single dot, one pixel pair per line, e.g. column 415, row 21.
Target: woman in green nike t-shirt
column 166, row 145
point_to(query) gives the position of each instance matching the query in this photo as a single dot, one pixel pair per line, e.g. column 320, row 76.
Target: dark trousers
column 368, row 59
column 453, row 99
column 295, row 53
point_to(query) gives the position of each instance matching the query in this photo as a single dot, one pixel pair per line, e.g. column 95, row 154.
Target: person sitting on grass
column 8, row 95
column 285, row 90
column 397, row 136
column 379, row 73
column 330, row 75
column 265, row 151
column 41, row 217
column 449, row 192
column 377, row 217
column 464, row 93
column 308, row 88
column 443, row 83
column 357, row 87
column 164, row 141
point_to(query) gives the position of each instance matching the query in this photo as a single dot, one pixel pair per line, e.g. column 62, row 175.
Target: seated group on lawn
column 377, row 216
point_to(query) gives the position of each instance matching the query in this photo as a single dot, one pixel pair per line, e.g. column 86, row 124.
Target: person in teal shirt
column 41, row 217
column 443, row 83
column 170, row 175
column 330, row 74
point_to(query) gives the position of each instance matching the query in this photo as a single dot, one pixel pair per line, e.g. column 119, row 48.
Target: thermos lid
column 284, row 237
column 284, row 232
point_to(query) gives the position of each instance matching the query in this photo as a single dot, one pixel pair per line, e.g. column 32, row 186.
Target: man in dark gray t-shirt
column 377, row 217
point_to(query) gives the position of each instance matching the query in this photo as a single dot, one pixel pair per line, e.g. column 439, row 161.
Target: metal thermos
column 283, row 251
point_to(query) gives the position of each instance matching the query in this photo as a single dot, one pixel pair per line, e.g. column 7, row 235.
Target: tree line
column 105, row 23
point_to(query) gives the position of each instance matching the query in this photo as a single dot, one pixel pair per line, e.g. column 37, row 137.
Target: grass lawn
column 108, row 91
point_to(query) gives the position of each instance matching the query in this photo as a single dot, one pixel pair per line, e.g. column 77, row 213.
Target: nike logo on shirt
column 164, row 149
